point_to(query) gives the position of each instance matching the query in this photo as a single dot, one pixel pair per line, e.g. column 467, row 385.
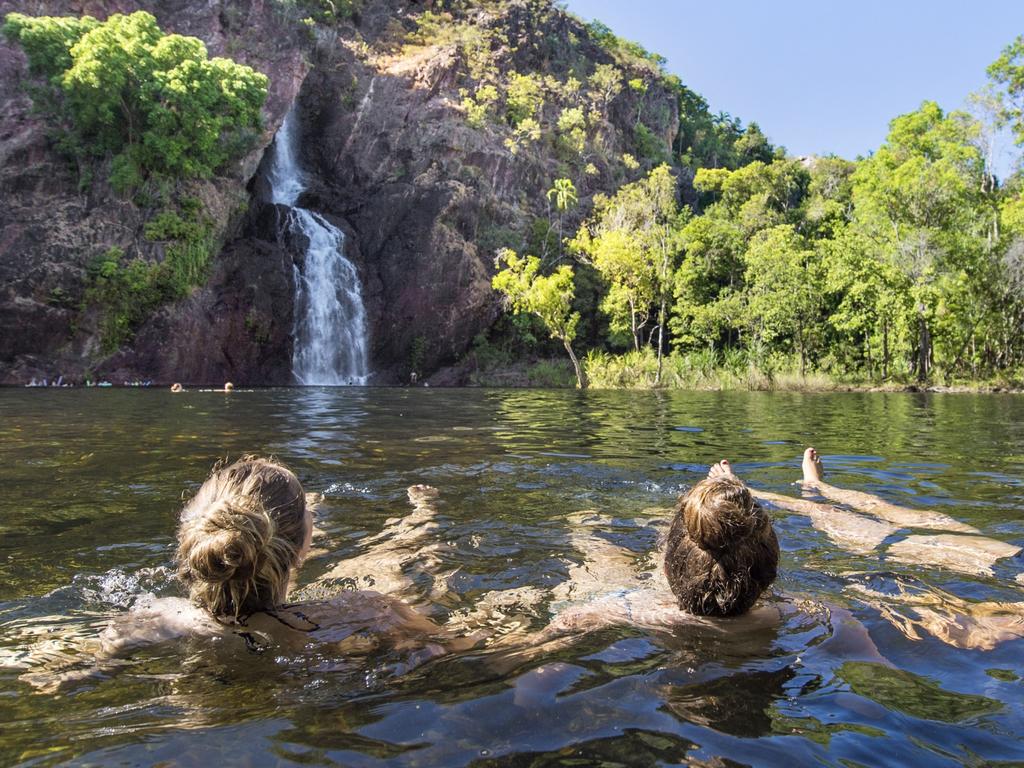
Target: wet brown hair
column 721, row 552
column 240, row 536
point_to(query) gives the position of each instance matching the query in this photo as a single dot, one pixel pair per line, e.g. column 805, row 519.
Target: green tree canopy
column 632, row 240
column 155, row 100
column 920, row 199
column 549, row 297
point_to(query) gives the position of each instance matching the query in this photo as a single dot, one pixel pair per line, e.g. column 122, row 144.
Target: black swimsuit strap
column 313, row 626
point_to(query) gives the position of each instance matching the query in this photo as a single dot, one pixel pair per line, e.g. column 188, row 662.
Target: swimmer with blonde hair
column 241, row 540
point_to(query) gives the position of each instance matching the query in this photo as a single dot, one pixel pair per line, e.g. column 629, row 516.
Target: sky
column 821, row 76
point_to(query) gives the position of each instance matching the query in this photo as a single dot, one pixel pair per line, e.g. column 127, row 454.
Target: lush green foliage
column 632, row 241
column 549, row 297
column 907, row 264
column 154, row 102
column 127, row 291
column 1008, row 71
column 160, row 110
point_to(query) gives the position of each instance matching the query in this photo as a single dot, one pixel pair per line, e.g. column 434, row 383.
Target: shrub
column 480, row 107
column 155, row 101
column 125, row 293
column 648, row 145
column 523, row 99
column 572, row 130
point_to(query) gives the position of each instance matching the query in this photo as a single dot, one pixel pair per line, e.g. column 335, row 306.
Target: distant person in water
column 241, row 539
column 229, row 387
column 176, row 387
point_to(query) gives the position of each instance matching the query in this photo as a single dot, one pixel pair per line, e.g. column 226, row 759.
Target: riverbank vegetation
column 904, row 266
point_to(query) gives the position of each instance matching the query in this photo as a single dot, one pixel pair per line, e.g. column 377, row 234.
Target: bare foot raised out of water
column 812, row 466
column 721, row 469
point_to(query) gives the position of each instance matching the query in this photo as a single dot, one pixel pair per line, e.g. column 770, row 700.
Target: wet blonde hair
column 721, row 552
column 240, row 536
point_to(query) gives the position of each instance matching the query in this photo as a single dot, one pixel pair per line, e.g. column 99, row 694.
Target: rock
column 237, row 328
column 424, row 199
column 50, row 229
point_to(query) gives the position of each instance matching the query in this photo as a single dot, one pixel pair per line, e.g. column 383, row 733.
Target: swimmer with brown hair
column 721, row 554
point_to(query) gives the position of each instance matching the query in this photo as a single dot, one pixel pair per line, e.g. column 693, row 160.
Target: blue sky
column 820, row 76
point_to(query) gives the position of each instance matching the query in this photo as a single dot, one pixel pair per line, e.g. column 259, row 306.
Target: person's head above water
column 241, row 535
column 721, row 552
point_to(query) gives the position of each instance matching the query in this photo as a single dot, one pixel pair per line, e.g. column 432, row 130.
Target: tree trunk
column 661, row 326
column 632, row 321
column 885, row 350
column 924, row 348
column 803, row 352
column 581, row 377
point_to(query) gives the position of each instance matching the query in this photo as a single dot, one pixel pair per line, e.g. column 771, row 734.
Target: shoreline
column 806, row 388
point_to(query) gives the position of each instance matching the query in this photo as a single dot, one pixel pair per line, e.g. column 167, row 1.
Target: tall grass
column 700, row 369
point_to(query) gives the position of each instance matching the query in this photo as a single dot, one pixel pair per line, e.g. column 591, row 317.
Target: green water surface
column 91, row 482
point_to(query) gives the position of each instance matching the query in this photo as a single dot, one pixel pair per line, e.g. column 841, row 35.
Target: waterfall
column 330, row 321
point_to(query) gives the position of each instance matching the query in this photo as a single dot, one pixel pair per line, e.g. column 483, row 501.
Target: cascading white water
column 330, row 321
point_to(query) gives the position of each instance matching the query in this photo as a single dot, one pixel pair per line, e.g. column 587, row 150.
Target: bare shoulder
column 154, row 620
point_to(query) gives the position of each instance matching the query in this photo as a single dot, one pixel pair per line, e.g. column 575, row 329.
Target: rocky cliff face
column 423, row 197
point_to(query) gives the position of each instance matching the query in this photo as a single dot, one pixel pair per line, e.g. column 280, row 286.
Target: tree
column 606, row 82
column 549, row 297
column 1008, row 71
column 572, row 130
column 524, row 98
column 639, row 86
column 564, row 195
column 633, row 241
column 783, row 289
column 708, row 286
column 753, row 145
column 869, row 296
column 154, row 100
column 920, row 199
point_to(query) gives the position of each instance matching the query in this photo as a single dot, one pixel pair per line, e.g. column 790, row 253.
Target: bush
column 572, row 131
column 128, row 291
column 551, row 374
column 480, row 107
column 125, row 293
column 648, row 145
column 523, row 99
column 190, row 245
column 155, row 101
